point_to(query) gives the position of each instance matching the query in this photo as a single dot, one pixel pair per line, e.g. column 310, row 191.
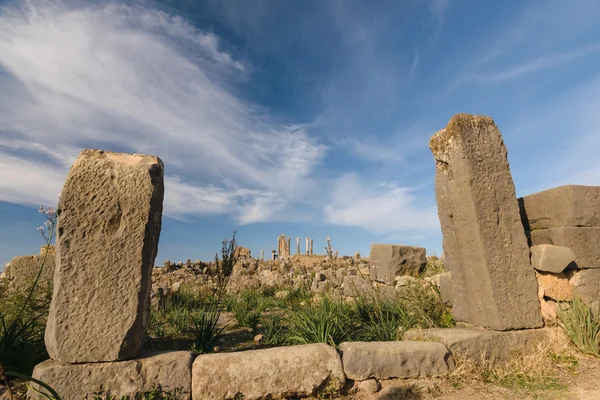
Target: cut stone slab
column 485, row 247
column 271, row 373
column 444, row 283
column 404, row 359
column 171, row 371
column 485, row 346
column 107, row 235
column 582, row 241
column 390, row 260
column 549, row 258
column 555, row 286
column 22, row 271
column 586, row 285
column 570, row 205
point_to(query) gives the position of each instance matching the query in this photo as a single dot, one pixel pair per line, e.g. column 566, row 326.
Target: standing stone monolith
column 109, row 223
column 485, row 247
column 298, row 246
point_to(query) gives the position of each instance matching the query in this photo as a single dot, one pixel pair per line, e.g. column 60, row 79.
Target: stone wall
column 20, row 274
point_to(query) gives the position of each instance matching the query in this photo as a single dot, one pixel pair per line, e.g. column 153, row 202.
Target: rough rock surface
column 21, row 272
column 549, row 258
column 404, row 359
column 581, row 240
column 570, row 205
column 586, row 284
column 481, row 345
column 444, row 283
column 556, row 286
column 107, row 235
column 271, row 373
column 389, row 261
column 121, row 378
column 369, row 386
column 485, row 247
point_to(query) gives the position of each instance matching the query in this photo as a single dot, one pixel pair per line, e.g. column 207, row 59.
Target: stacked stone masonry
column 566, row 216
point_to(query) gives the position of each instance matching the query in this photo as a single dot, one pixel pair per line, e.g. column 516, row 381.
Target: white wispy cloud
column 384, row 208
column 131, row 78
column 540, row 63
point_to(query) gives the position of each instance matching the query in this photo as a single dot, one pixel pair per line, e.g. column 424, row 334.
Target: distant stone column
column 311, row 247
column 484, row 242
column 298, row 245
column 307, row 246
column 289, row 247
column 283, row 246
column 262, row 255
column 108, row 230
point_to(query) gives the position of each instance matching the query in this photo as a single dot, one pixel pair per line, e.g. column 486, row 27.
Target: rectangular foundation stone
column 109, row 220
column 570, row 205
column 279, row 372
column 482, row 346
column 485, row 248
column 404, row 359
column 171, row 371
column 584, row 242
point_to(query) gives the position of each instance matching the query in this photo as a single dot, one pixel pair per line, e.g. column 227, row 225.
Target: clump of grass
column 274, row 332
column 423, row 303
column 248, row 307
column 581, row 326
column 535, row 372
column 380, row 320
column 325, row 321
column 156, row 393
column 205, row 329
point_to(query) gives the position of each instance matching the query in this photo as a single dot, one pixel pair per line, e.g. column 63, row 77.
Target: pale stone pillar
column 307, row 246
column 262, row 255
column 298, row 246
column 108, row 230
column 311, row 247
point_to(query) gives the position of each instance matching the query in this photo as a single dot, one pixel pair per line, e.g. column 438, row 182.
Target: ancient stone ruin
column 485, row 247
column 509, row 261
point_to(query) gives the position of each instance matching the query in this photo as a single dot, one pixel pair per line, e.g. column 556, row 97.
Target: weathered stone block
column 22, row 271
column 555, row 286
column 385, row 360
column 443, row 282
column 570, row 205
column 582, row 241
column 549, row 258
column 107, row 235
column 171, row 371
column 485, row 247
column 586, row 285
column 271, row 373
column 389, row 261
column 486, row 346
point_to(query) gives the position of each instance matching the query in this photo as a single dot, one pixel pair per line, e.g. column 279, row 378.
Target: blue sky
column 309, row 118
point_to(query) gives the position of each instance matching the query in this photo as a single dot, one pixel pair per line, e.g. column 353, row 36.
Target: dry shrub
column 542, row 369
